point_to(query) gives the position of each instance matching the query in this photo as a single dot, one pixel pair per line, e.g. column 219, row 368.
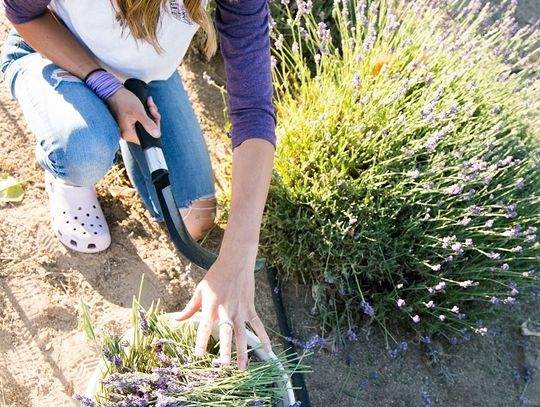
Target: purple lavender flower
column 454, row 340
column 143, row 322
column 297, row 403
column 465, row 221
column 393, row 353
column 436, row 267
column 516, row 375
column 517, row 249
column 351, row 335
column 494, row 256
column 84, row 401
column 440, row 286
column 403, row 346
column 530, row 238
column 356, row 80
column 416, row 319
column 475, row 210
column 489, row 224
column 514, row 231
column 304, row 8
column 455, row 189
column 494, row 300
column 276, row 290
column 531, row 230
column 425, row 398
column 457, row 248
column 425, row 339
column 112, row 359
column 368, row 309
column 505, row 267
column 527, row 373
column 324, row 36
column 401, row 303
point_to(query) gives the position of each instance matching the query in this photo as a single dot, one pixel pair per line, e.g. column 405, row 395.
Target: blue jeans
column 78, row 138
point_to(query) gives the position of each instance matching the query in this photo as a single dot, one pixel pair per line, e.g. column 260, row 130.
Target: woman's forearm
column 53, row 40
column 251, row 174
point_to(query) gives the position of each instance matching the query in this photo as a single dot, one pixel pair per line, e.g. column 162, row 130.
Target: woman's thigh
column 77, row 137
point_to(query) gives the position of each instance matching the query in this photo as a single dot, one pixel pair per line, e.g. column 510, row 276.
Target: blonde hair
column 141, row 17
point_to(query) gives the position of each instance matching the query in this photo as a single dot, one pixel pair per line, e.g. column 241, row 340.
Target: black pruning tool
column 181, row 238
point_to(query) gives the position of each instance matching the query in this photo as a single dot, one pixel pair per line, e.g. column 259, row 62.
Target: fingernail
column 156, row 133
column 199, row 352
column 267, row 348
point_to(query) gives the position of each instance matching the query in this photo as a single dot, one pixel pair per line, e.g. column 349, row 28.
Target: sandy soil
column 44, row 356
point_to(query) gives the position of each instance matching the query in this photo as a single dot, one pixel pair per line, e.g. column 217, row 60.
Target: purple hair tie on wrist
column 104, row 84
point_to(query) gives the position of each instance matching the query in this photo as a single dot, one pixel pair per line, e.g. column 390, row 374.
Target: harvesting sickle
column 159, row 171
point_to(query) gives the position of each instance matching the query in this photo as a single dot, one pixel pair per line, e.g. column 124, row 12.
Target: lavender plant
column 407, row 171
column 156, row 367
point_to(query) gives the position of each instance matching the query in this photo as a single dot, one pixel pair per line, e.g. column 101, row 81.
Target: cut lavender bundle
column 157, row 367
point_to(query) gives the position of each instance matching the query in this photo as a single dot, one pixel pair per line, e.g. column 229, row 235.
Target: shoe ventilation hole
column 95, row 233
column 91, row 246
column 87, row 214
column 94, row 206
column 84, row 233
column 82, row 224
column 80, row 208
column 76, row 217
column 64, row 212
column 97, row 217
column 100, row 226
column 67, row 221
column 74, row 229
column 73, row 242
column 91, row 225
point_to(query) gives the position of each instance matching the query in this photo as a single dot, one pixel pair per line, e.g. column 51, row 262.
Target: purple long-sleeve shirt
column 245, row 44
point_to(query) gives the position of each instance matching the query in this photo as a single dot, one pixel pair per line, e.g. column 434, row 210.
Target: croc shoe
column 76, row 216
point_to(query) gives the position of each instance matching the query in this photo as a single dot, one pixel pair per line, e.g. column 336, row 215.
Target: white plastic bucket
column 252, row 342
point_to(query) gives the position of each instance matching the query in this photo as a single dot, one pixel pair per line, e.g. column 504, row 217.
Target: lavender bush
column 407, row 174
column 157, row 367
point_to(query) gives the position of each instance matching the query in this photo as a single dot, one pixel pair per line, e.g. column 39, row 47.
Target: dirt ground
column 44, row 356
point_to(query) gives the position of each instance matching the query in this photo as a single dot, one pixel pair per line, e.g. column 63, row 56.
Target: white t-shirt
column 94, row 24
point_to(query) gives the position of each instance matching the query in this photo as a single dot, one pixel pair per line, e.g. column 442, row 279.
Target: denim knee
column 83, row 160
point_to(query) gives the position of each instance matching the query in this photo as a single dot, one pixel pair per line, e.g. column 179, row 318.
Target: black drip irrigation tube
column 297, row 378
column 189, row 248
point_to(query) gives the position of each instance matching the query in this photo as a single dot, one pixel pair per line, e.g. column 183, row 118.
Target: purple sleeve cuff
column 104, row 84
column 23, row 11
column 245, row 46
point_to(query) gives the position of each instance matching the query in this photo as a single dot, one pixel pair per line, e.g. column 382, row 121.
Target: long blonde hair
column 141, row 17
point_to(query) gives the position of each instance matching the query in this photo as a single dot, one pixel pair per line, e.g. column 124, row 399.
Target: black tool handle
column 140, row 89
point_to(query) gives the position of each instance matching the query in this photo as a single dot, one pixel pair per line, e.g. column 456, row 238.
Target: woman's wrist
column 103, row 83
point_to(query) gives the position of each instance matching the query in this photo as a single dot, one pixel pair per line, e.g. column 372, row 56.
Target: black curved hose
column 297, row 378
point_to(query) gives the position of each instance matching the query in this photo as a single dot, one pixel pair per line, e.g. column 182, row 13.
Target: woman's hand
column 128, row 110
column 227, row 293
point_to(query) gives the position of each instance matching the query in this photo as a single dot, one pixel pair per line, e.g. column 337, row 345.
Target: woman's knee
column 199, row 218
column 82, row 158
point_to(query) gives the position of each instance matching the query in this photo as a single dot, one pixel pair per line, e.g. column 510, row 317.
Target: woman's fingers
column 154, row 111
column 225, row 339
column 258, row 327
column 241, row 342
column 191, row 307
column 203, row 334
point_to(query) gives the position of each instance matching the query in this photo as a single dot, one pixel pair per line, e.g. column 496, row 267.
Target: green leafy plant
column 407, row 175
